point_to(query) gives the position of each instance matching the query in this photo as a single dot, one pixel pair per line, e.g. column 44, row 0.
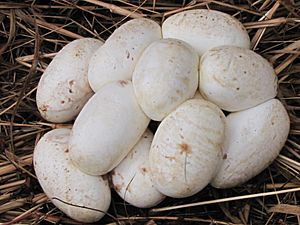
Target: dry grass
column 33, row 31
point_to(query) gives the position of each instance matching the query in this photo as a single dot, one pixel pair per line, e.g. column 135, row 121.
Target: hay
column 33, row 31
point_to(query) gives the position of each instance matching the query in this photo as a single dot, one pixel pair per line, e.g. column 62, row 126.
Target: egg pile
column 146, row 72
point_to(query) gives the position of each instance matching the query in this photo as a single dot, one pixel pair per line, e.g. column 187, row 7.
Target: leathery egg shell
column 131, row 178
column 236, row 78
column 63, row 88
column 254, row 138
column 165, row 76
column 116, row 59
column 64, row 184
column 107, row 128
column 186, row 148
column 204, row 29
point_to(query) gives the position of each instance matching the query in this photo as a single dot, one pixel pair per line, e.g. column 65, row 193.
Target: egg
column 131, row 178
column 186, row 149
column 82, row 197
column 165, row 76
column 107, row 128
column 236, row 78
column 116, row 59
column 204, row 29
column 63, row 88
column 254, row 138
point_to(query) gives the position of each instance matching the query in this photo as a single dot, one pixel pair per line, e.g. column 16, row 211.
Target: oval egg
column 165, row 76
column 254, row 138
column 118, row 56
column 64, row 184
column 107, row 128
column 63, row 88
column 186, row 149
column 236, row 78
column 131, row 178
column 204, row 29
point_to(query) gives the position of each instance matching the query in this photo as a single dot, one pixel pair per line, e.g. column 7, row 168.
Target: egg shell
column 63, row 88
column 107, row 128
column 236, row 78
column 254, row 138
column 165, row 76
column 204, row 29
column 61, row 180
column 131, row 178
column 118, row 56
column 186, row 149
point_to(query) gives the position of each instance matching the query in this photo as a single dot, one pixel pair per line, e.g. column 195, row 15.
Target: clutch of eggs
column 182, row 74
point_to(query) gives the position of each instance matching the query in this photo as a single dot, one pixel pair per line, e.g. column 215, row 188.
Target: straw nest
column 33, row 31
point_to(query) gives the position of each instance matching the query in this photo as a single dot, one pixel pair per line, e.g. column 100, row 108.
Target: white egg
column 254, row 138
column 65, row 185
column 107, row 128
column 165, row 76
column 236, row 78
column 204, row 29
column 131, row 178
column 116, row 59
column 186, row 149
column 63, row 88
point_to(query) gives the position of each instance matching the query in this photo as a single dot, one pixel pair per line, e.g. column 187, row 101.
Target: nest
column 32, row 32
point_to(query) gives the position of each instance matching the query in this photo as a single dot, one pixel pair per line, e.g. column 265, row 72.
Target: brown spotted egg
column 131, row 178
column 71, row 190
column 186, row 148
